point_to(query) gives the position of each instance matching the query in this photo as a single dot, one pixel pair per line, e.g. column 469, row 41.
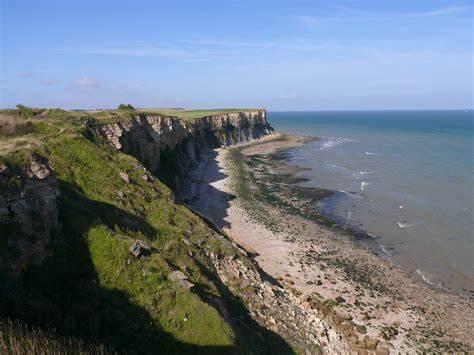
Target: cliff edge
column 171, row 146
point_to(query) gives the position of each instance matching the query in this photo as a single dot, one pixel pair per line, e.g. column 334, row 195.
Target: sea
column 406, row 178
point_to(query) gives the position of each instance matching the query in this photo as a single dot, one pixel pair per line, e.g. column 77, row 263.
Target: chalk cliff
column 169, row 146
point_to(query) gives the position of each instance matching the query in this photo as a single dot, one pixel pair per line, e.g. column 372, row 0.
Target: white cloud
column 164, row 51
column 36, row 72
column 218, row 43
column 348, row 13
column 439, row 12
column 288, row 96
column 84, row 83
column 25, row 74
column 51, row 82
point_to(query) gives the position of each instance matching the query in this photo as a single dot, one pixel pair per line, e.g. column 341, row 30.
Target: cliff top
column 144, row 266
column 27, row 127
column 193, row 114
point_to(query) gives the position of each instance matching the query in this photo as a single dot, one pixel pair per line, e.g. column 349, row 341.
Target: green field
column 90, row 288
column 193, row 114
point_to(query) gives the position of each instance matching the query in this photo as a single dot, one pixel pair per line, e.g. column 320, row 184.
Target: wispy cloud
column 288, row 96
column 342, row 13
column 36, row 72
column 25, row 74
column 217, row 43
column 85, row 83
column 439, row 12
column 49, row 82
column 164, row 51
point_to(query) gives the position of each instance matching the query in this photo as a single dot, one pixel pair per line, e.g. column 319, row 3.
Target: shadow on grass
column 64, row 294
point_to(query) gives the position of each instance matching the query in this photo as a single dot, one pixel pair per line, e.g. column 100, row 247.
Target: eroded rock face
column 172, row 146
column 28, row 212
column 277, row 308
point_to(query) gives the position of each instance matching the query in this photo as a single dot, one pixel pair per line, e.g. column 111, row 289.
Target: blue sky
column 282, row 55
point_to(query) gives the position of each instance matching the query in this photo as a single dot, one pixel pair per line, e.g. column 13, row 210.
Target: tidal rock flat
column 360, row 301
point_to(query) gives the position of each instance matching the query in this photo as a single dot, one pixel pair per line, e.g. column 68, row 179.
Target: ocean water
column 404, row 177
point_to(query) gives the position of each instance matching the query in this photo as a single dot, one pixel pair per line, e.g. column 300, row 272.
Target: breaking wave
column 405, row 224
column 425, row 276
column 332, row 142
column 351, row 194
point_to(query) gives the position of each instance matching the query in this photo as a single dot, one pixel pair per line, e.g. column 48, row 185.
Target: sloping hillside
column 95, row 247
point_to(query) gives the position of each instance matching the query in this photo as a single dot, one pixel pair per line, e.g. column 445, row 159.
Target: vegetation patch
column 92, row 289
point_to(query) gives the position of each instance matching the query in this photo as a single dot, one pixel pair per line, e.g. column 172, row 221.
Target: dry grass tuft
column 11, row 126
column 17, row 338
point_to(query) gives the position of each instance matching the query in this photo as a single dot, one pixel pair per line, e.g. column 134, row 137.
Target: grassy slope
column 88, row 288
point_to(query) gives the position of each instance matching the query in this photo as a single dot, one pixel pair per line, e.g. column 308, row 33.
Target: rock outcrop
column 278, row 308
column 28, row 212
column 170, row 147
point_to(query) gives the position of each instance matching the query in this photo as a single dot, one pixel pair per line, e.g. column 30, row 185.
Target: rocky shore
column 327, row 290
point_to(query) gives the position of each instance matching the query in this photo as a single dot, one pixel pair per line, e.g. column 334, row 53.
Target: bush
column 25, row 111
column 126, row 107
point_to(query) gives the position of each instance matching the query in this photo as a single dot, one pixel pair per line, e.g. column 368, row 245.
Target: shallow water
column 406, row 176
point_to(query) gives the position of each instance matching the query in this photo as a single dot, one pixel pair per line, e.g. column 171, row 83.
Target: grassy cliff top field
column 123, row 112
column 90, row 287
column 193, row 114
column 28, row 127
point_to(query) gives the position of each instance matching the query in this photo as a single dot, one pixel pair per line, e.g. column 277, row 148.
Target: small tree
column 25, row 111
column 126, row 107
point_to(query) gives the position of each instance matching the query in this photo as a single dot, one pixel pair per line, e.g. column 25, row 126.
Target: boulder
column 382, row 350
column 139, row 248
column 181, row 279
column 124, row 177
column 370, row 343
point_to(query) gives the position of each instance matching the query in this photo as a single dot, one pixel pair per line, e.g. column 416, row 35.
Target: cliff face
column 170, row 146
column 28, row 211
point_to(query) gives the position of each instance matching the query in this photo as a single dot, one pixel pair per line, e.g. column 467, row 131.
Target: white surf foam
column 424, row 276
column 334, row 166
column 405, row 224
column 334, row 141
column 370, row 153
column 363, row 185
column 385, row 250
column 352, row 195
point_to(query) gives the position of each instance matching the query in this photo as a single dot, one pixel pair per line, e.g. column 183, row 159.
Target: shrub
column 25, row 111
column 126, row 107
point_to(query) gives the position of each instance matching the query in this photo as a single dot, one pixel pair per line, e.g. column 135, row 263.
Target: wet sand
column 248, row 192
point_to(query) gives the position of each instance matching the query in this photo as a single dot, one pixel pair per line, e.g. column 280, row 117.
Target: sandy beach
column 373, row 305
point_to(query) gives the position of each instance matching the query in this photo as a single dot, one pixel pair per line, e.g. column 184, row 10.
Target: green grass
column 91, row 288
column 194, row 114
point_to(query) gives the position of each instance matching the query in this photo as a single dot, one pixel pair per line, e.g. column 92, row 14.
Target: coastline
column 248, row 192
